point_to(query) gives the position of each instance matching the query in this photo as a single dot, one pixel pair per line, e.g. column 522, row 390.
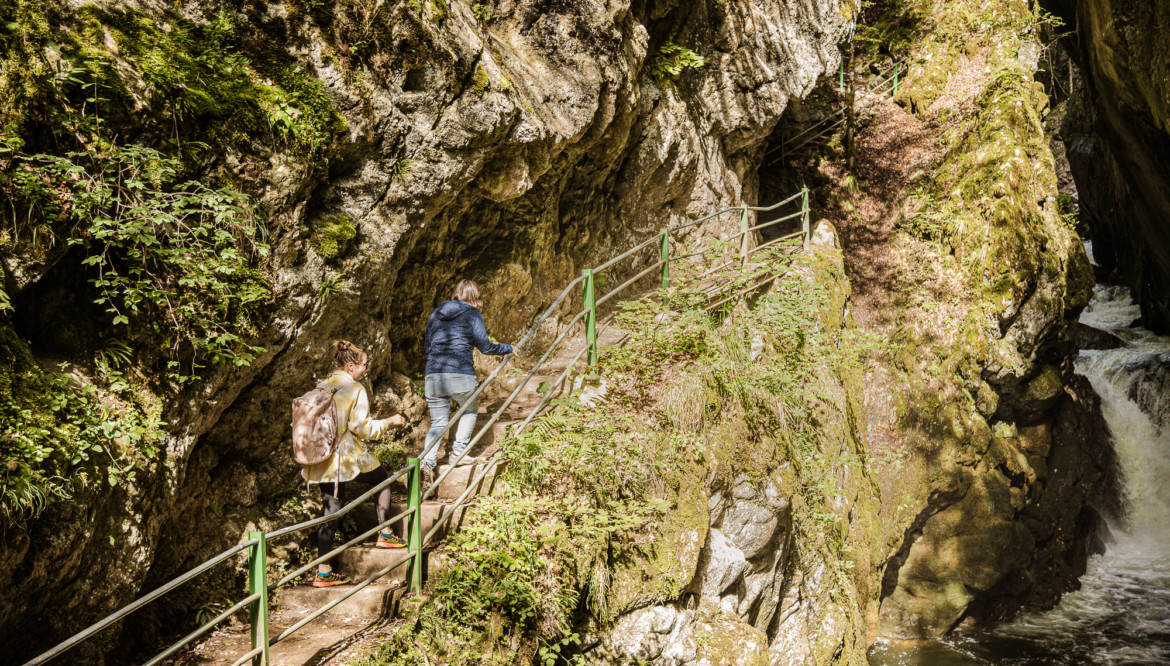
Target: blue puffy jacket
column 453, row 329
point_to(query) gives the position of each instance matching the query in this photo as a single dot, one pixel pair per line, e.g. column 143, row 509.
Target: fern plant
column 673, row 59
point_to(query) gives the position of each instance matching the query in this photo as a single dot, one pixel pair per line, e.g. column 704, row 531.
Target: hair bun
column 342, row 345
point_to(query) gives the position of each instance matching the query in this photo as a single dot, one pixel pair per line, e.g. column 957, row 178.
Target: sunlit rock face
column 1118, row 137
column 513, row 151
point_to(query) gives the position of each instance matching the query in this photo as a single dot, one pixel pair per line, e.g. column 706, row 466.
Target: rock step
column 378, row 599
column 366, row 517
column 361, row 562
column 453, row 485
column 457, row 481
column 504, row 386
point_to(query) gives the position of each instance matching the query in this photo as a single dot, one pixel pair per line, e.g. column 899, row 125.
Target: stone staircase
column 356, row 624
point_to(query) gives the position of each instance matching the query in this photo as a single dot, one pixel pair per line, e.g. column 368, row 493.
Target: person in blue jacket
column 454, row 328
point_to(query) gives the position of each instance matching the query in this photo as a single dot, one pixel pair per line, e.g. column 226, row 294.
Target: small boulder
column 1088, row 337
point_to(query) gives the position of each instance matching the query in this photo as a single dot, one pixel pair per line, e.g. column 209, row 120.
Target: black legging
column 331, row 504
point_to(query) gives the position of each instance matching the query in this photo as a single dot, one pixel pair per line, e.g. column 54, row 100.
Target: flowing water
column 1121, row 614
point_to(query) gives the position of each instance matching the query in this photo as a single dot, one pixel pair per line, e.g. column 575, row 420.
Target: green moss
column 666, row 557
column 619, row 491
column 331, row 236
column 480, row 83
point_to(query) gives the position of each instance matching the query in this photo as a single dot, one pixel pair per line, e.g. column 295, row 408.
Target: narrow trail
column 892, row 151
column 362, row 621
column 897, row 281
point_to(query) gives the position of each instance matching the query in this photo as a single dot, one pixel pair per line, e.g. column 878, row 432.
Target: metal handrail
column 340, row 512
column 495, row 459
column 139, row 603
column 639, row 276
column 775, row 221
column 500, row 410
column 259, row 597
column 870, row 86
column 519, row 429
column 453, row 419
column 202, row 629
column 348, row 593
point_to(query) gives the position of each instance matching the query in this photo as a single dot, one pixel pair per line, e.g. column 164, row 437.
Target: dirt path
column 892, row 151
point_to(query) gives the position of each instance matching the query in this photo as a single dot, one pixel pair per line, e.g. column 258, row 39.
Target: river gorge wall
column 390, row 148
column 1118, row 135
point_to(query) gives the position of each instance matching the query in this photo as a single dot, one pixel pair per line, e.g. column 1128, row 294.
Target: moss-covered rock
column 331, row 236
column 984, row 220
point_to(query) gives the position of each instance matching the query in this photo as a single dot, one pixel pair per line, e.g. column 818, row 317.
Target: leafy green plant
column 332, row 286
column 672, row 59
column 401, row 167
column 175, row 255
column 114, row 354
column 483, row 12
column 57, row 436
column 391, row 453
column 1066, row 208
column 207, row 612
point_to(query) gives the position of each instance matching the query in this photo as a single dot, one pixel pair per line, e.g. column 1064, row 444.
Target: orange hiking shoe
column 389, row 541
column 330, row 579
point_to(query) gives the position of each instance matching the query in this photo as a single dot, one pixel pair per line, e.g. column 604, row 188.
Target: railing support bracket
column 590, row 316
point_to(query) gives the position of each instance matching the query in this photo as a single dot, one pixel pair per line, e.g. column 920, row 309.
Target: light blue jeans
column 441, row 387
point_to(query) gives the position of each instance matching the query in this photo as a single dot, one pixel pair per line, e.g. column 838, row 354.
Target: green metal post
column 842, row 74
column 258, row 582
column 743, row 229
column 804, row 215
column 897, row 66
column 414, row 538
column 590, row 316
column 664, row 254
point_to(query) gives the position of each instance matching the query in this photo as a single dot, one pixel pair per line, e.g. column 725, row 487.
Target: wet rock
column 513, row 153
column 1150, row 389
column 1019, row 532
column 1088, row 337
column 1118, row 137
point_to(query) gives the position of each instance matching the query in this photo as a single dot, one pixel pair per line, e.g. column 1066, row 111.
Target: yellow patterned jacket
column 353, row 409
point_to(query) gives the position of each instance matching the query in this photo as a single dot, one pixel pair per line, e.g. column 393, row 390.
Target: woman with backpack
column 453, row 330
column 351, row 461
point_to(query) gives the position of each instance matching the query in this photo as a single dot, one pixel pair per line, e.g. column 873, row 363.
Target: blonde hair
column 468, row 292
column 347, row 352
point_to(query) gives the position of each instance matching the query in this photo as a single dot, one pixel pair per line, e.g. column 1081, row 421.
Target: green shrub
column 483, row 12
column 172, row 257
column 58, row 437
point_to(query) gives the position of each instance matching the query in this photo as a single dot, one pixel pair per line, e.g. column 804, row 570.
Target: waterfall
column 1121, row 614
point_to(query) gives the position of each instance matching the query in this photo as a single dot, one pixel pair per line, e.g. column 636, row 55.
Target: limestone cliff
column 993, row 458
column 389, row 147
